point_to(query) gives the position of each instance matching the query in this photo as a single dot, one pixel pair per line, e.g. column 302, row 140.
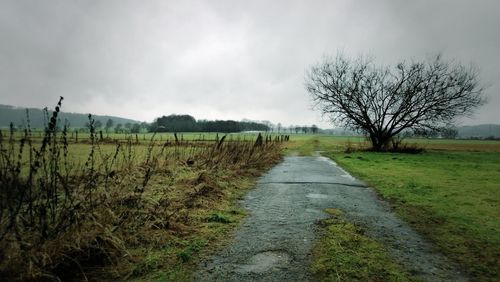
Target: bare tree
column 383, row 101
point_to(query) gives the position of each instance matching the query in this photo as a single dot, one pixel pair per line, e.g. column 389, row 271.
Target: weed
column 149, row 263
column 185, row 255
column 67, row 207
column 217, row 217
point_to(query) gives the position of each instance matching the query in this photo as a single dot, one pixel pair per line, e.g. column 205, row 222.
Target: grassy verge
column 204, row 229
column 344, row 253
column 451, row 197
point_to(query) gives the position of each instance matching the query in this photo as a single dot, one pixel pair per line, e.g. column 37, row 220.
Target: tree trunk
column 380, row 141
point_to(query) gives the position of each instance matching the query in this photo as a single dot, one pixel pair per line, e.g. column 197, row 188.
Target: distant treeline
column 39, row 118
column 187, row 123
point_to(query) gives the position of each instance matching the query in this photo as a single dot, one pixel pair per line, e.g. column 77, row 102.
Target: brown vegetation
column 60, row 219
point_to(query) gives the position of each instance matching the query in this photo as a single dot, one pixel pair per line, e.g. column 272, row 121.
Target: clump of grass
column 218, row 217
column 345, row 253
column 148, row 264
column 349, row 147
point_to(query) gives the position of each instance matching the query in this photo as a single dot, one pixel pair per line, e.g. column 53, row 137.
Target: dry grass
column 107, row 216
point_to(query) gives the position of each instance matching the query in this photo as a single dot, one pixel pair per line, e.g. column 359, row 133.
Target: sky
column 225, row 59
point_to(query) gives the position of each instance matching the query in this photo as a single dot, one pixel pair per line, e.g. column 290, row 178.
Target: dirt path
column 274, row 242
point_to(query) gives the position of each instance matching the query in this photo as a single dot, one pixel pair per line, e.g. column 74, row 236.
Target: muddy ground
column 275, row 241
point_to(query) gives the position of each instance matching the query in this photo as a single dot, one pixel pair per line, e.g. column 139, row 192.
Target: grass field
column 450, row 193
column 143, row 137
column 163, row 206
column 121, row 209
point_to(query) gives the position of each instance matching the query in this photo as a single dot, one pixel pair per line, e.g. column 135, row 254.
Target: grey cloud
column 223, row 59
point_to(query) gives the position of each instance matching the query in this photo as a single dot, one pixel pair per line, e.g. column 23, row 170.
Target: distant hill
column 17, row 115
column 479, row 131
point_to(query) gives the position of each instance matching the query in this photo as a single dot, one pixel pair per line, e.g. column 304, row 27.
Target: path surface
column 275, row 241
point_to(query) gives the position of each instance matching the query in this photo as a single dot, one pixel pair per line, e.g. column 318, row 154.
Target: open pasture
column 306, row 144
column 144, row 137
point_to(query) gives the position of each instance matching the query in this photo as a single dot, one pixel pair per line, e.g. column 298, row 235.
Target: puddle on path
column 346, row 174
column 317, row 196
column 313, row 210
column 265, row 261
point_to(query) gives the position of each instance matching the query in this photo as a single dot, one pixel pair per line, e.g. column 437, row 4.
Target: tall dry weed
column 58, row 216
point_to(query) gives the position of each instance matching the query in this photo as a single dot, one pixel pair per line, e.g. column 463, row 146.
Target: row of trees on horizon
column 170, row 123
column 187, row 123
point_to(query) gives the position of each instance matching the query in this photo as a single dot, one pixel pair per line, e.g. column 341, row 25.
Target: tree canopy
column 383, row 101
column 187, row 123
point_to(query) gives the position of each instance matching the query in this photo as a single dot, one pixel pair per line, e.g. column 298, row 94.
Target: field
column 121, row 207
column 450, row 193
column 151, row 206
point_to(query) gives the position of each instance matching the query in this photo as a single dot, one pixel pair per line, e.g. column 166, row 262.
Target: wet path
column 275, row 241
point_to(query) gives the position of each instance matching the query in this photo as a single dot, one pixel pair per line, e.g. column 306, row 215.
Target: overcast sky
column 224, row 59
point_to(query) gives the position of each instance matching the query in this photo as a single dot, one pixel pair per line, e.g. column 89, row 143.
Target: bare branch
column 383, row 102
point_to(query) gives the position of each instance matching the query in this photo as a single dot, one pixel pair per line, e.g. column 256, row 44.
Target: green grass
column 147, row 136
column 307, row 144
column 451, row 197
column 450, row 193
column 344, row 253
